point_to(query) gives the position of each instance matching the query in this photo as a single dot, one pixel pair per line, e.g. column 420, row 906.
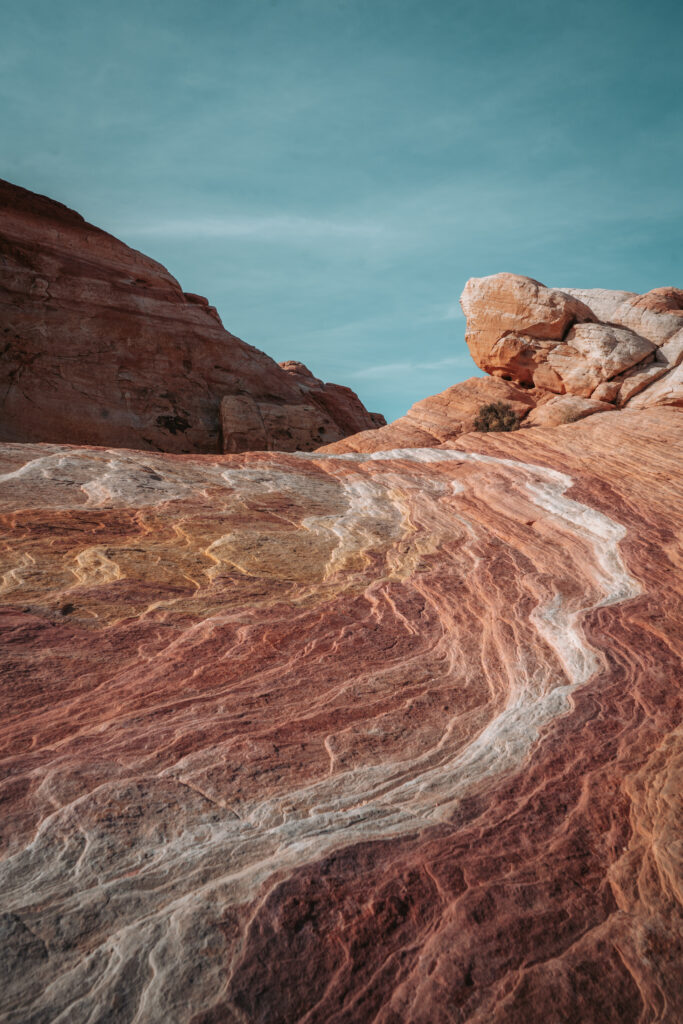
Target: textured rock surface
column 671, row 352
column 441, row 417
column 637, row 379
column 342, row 405
column 365, row 738
column 99, row 345
column 540, row 343
column 594, row 353
column 607, row 391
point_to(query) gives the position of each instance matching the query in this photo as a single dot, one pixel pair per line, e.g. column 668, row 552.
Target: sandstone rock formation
column 99, row 345
column 657, row 315
column 388, row 731
column 389, row 737
column 508, row 305
column 563, row 353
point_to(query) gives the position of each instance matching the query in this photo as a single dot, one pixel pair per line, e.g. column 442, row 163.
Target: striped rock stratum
column 345, row 737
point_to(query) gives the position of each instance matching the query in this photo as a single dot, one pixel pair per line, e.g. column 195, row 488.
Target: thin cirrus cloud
column 278, row 228
column 384, row 369
column 452, row 312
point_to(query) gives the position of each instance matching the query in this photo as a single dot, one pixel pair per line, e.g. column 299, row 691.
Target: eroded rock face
column 563, row 353
column 99, row 345
column 339, row 403
column 671, row 352
column 638, row 379
column 385, row 738
column 656, row 315
column 595, row 353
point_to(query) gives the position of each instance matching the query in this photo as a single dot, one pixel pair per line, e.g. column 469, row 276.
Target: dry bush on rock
column 496, row 416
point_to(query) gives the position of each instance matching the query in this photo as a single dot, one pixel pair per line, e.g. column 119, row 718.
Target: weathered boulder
column 656, row 315
column 520, row 330
column 100, row 345
column 593, row 353
column 594, row 349
column 604, row 303
column 505, row 304
column 637, row 379
column 607, row 391
column 671, row 352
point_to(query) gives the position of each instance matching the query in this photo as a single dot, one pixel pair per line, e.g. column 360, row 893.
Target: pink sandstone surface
column 390, row 737
column 99, row 345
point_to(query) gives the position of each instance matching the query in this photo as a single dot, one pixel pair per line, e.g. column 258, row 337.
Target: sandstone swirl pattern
column 377, row 737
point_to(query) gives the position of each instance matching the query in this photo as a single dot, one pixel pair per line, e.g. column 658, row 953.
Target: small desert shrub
column 496, row 416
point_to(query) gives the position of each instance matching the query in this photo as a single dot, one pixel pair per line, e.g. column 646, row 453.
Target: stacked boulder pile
column 553, row 355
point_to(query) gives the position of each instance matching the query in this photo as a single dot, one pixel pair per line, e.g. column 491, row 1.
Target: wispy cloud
column 276, row 228
column 387, row 369
column 450, row 312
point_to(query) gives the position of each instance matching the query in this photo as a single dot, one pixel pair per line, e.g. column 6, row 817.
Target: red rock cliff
column 99, row 345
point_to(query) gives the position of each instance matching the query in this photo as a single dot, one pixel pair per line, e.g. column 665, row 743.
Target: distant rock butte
column 99, row 345
column 390, row 737
column 597, row 349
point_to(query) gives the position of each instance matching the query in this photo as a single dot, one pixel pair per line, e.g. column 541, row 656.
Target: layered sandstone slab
column 389, row 737
column 442, row 417
column 565, row 409
column 666, row 391
column 101, row 346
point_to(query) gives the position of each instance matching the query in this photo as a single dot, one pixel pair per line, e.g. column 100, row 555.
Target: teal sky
column 329, row 173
